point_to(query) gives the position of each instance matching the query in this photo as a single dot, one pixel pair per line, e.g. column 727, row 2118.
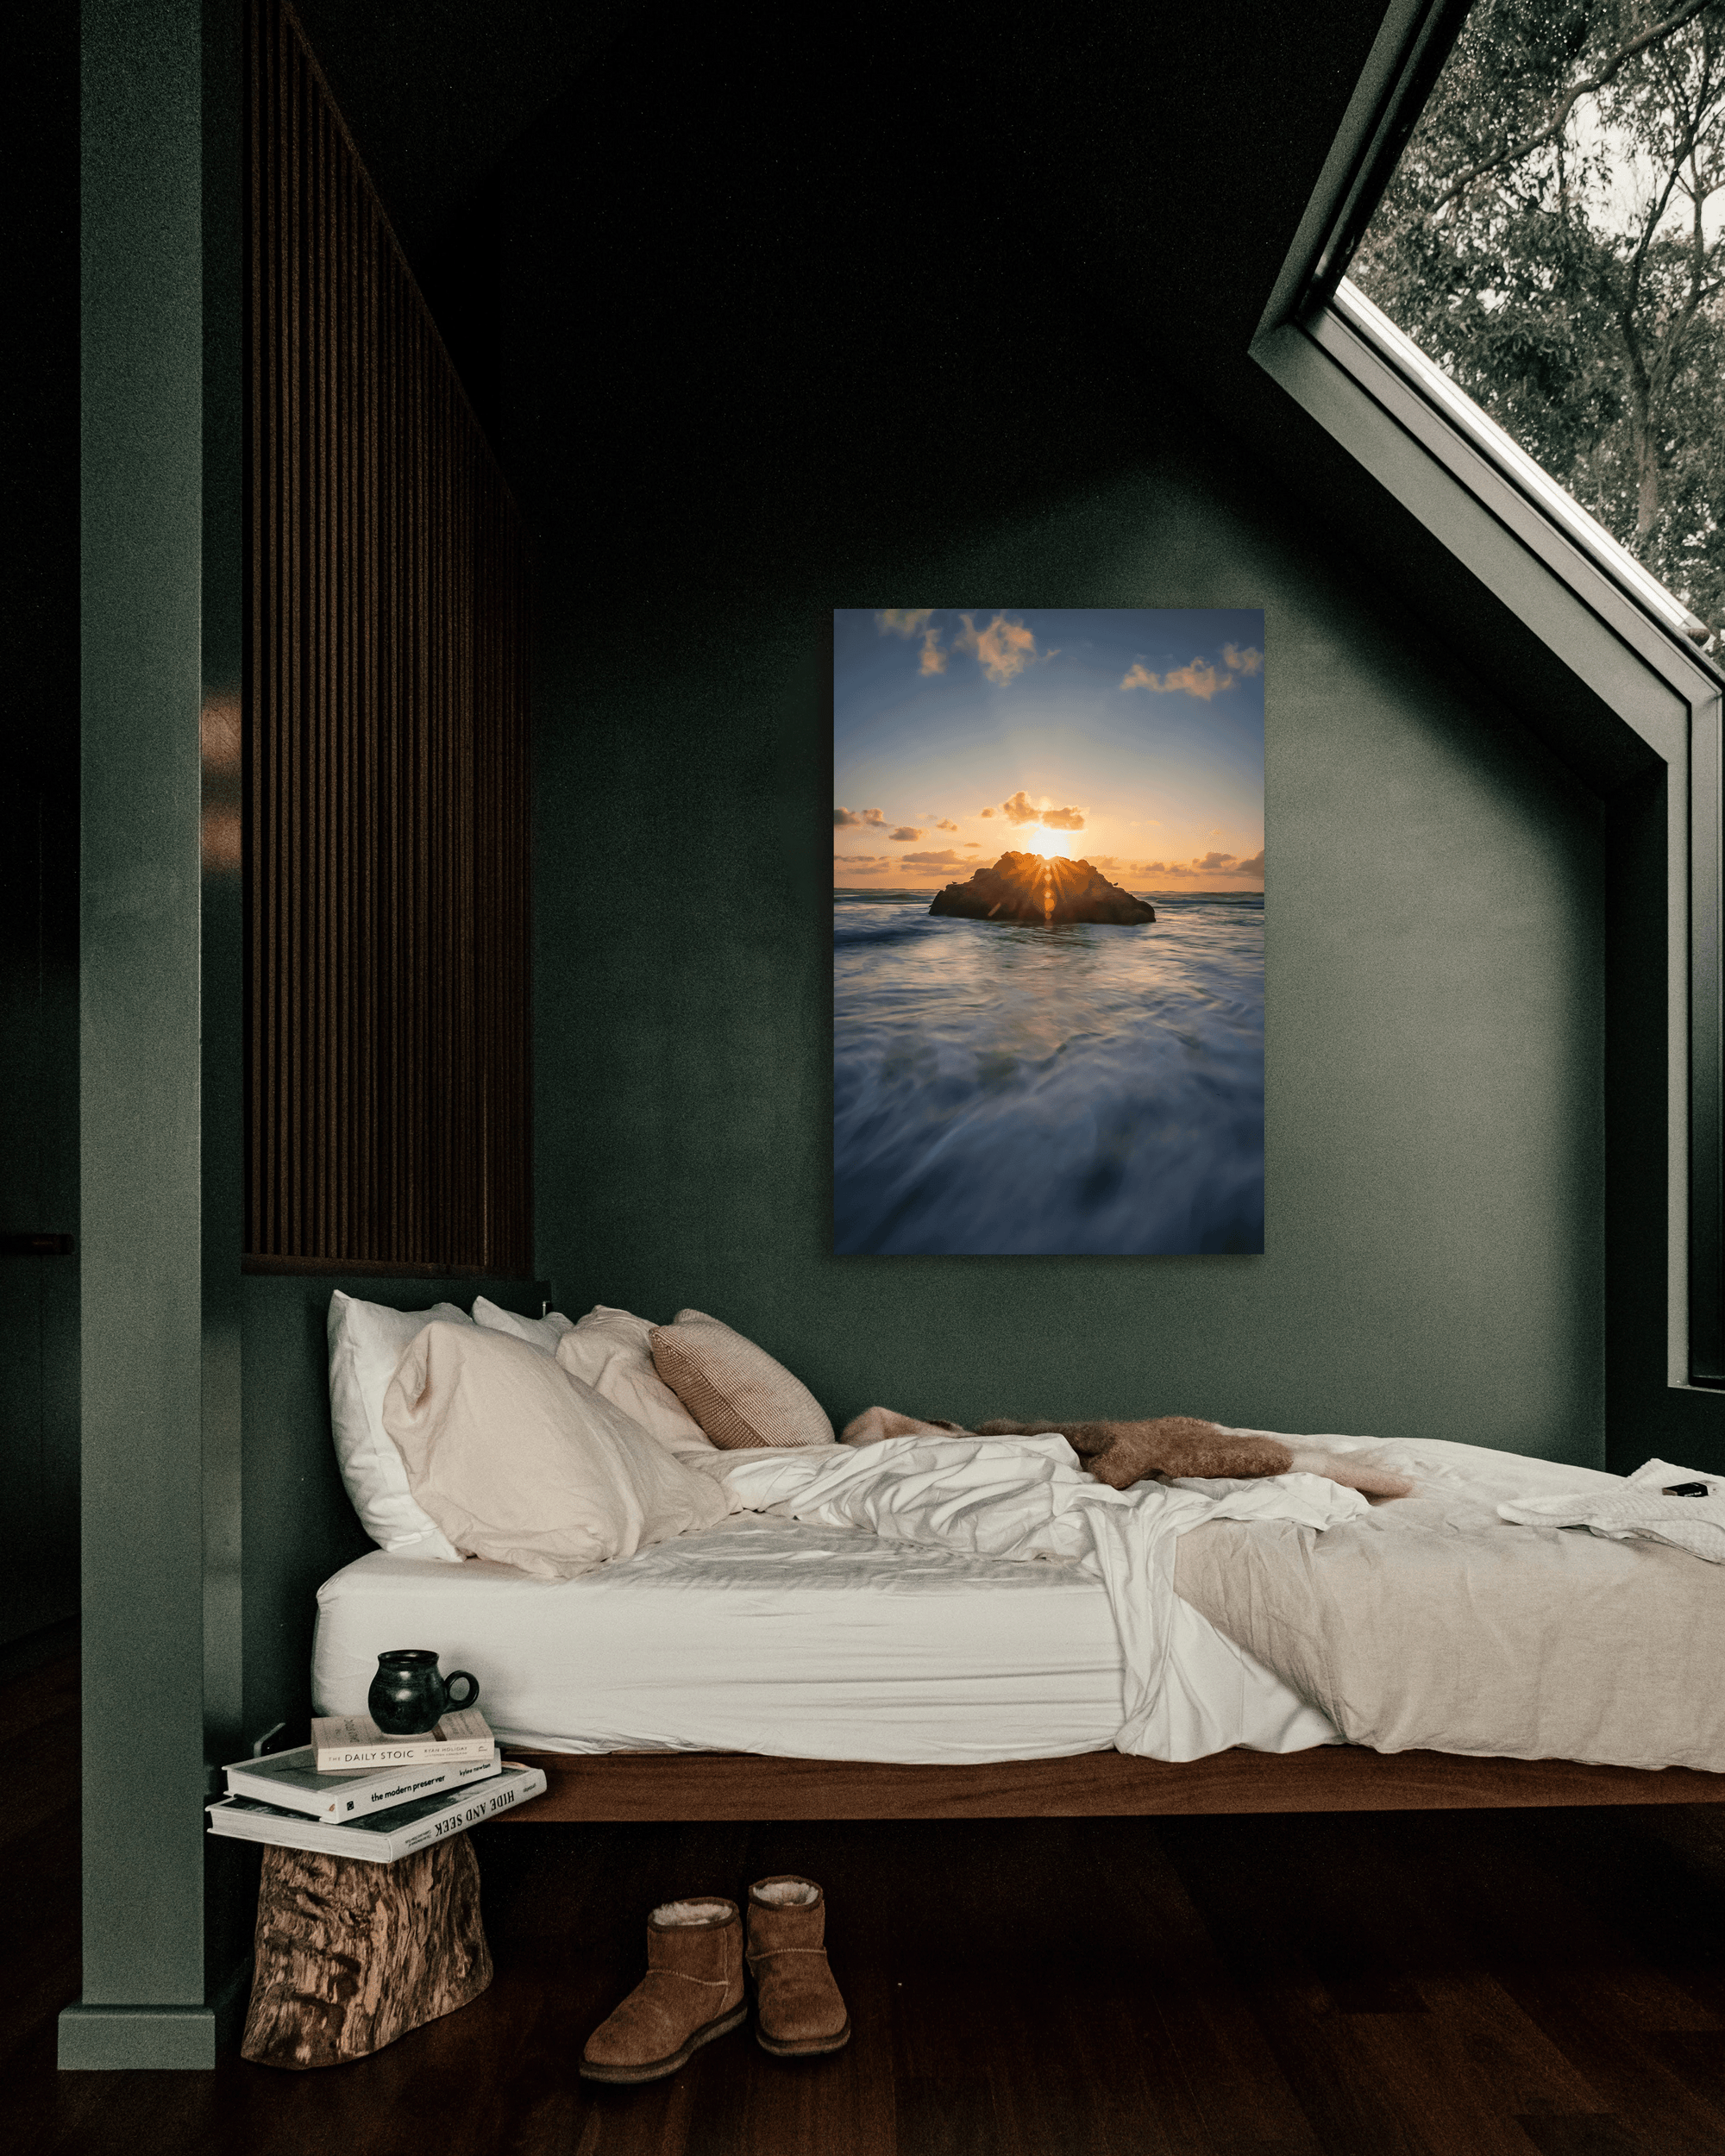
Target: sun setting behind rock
column 1042, row 890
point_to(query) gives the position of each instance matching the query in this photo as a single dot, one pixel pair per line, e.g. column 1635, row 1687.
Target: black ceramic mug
column 407, row 1697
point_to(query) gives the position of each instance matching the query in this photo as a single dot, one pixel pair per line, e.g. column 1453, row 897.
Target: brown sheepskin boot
column 798, row 2010
column 692, row 1992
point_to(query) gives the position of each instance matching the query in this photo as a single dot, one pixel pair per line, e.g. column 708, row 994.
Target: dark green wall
column 1434, row 1023
column 763, row 357
column 1648, row 1417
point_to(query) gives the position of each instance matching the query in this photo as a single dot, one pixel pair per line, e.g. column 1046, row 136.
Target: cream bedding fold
column 1431, row 1623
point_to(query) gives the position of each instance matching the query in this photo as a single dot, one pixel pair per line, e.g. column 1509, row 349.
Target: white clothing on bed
column 1638, row 1506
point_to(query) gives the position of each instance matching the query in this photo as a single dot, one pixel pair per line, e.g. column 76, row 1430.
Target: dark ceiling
column 1160, row 155
column 729, row 246
column 435, row 91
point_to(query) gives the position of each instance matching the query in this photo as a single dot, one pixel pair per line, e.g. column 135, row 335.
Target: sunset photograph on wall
column 1048, row 931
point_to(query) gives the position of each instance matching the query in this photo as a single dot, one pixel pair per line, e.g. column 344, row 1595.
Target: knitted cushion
column 735, row 1391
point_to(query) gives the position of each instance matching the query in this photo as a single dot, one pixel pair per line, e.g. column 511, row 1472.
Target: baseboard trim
column 109, row 2038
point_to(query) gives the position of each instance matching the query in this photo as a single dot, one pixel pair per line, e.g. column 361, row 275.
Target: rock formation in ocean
column 1027, row 887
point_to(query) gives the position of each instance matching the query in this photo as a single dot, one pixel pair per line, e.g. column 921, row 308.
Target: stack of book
column 353, row 1792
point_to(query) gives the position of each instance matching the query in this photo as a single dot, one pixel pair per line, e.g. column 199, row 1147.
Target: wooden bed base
column 664, row 1787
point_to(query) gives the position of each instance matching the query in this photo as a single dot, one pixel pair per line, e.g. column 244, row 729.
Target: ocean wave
column 1062, row 1090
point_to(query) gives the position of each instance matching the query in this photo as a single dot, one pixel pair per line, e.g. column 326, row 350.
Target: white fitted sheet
column 759, row 1634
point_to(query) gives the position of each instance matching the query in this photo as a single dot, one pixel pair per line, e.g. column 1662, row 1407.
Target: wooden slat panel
column 724, row 1785
column 386, row 769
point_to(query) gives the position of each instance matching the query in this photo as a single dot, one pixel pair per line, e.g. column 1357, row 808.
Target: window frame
column 1573, row 586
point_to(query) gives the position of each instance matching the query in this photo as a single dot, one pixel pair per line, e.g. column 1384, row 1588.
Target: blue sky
column 1131, row 737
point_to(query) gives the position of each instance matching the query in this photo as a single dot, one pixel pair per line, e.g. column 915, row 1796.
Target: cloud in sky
column 1202, row 867
column 862, row 860
column 1022, row 810
column 914, row 621
column 1003, row 649
column 1117, row 768
column 1199, row 677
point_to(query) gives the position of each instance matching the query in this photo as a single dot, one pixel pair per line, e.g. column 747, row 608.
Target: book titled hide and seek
column 387, row 1836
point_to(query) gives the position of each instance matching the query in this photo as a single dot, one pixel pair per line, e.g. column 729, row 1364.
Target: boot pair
column 693, row 1988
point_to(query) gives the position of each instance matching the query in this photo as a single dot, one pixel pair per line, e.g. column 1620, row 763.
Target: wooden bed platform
column 664, row 1787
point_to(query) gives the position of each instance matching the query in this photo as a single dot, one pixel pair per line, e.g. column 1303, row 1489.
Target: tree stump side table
column 351, row 1955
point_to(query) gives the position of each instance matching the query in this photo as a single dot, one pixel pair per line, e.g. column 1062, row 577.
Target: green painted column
column 160, row 1399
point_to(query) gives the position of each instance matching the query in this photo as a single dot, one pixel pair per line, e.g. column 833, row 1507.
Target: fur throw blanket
column 1165, row 1446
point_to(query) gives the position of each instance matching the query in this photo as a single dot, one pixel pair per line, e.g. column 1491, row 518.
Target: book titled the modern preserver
column 386, row 1837
column 345, row 1743
column 290, row 1780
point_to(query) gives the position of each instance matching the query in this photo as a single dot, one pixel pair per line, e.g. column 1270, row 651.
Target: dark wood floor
column 1382, row 1984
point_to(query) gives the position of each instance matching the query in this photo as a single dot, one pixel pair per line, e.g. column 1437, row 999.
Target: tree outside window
column 1554, row 238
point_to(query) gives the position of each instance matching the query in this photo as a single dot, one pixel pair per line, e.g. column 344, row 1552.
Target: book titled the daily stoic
column 344, row 1743
column 290, row 1780
column 384, row 1837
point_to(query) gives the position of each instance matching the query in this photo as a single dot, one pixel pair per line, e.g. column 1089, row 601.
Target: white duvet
column 1188, row 1690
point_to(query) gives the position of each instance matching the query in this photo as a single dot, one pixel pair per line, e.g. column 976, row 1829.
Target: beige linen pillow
column 612, row 1352
column 735, row 1391
column 518, row 1462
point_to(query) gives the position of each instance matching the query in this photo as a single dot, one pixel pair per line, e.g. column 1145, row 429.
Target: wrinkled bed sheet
column 1428, row 1622
column 760, row 1635
column 1187, row 1689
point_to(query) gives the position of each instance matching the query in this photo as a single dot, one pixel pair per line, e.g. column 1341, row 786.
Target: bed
column 768, row 1668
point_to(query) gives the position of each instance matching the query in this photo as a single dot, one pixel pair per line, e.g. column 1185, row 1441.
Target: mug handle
column 460, row 1676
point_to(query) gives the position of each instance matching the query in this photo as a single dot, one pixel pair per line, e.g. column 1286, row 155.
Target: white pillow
column 366, row 1343
column 540, row 1333
column 612, row 1352
column 520, row 1463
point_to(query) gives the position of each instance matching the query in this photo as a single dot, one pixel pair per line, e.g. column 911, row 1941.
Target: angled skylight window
column 1552, row 240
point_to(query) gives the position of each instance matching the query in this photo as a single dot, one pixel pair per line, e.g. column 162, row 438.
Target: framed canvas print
column 1048, row 931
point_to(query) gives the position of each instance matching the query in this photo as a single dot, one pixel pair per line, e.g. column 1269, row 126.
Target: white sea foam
column 1014, row 1090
